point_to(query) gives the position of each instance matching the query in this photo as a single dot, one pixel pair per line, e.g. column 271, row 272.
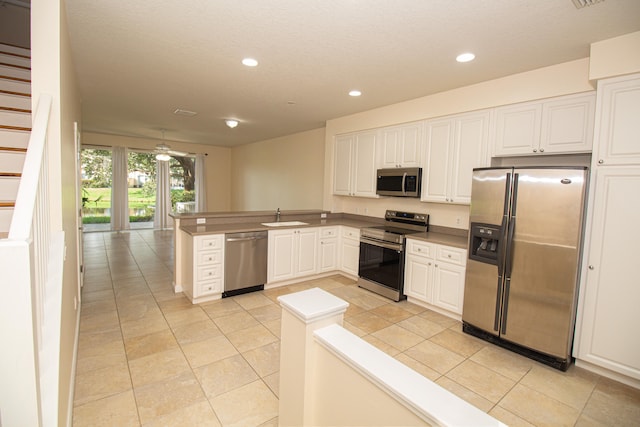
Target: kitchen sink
column 284, row 223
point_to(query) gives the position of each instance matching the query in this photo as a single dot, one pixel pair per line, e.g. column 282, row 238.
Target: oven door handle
column 381, row 244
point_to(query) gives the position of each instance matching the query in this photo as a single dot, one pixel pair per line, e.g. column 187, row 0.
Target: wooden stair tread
column 17, row 149
column 14, row 54
column 22, row 67
column 15, row 79
column 17, row 110
column 9, row 92
column 10, row 174
column 15, row 128
column 7, row 204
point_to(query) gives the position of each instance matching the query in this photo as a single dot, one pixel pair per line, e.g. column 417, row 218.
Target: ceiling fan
column 164, row 152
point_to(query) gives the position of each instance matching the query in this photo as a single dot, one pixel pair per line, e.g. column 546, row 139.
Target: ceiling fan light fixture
column 163, row 157
column 231, row 123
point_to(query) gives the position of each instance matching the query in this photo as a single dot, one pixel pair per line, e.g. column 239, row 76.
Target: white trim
column 423, row 397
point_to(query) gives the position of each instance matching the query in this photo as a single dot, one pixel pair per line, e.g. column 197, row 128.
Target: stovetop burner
column 398, row 224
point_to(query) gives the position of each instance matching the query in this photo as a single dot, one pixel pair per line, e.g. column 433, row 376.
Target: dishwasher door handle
column 243, row 239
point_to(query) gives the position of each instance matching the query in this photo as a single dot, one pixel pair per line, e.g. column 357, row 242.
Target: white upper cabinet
column 401, row 146
column 454, row 146
column 555, row 126
column 355, row 164
column 618, row 125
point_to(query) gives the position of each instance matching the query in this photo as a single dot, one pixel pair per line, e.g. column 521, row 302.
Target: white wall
column 615, row 57
column 285, row 173
column 562, row 79
column 217, row 163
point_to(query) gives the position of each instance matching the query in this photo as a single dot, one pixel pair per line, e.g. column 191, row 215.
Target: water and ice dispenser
column 484, row 242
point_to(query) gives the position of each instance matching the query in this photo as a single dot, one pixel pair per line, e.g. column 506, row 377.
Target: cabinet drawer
column 209, row 272
column 208, row 257
column 419, row 248
column 209, row 286
column 350, row 233
column 328, row 232
column 452, row 255
column 209, row 242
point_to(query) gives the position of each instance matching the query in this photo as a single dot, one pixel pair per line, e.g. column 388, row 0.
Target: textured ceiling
column 137, row 61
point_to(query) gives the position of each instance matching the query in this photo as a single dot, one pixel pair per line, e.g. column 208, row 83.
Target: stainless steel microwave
column 400, row 182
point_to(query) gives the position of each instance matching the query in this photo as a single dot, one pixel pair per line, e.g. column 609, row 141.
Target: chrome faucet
column 278, row 215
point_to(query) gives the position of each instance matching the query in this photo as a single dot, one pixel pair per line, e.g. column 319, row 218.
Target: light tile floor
column 149, row 357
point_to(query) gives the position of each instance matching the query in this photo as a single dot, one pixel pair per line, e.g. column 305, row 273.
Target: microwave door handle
column 404, row 179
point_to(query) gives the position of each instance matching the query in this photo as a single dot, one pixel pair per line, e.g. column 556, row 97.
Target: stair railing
column 31, row 261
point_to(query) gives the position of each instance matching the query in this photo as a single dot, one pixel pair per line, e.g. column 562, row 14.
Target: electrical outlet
column 357, row 209
column 458, row 221
column 323, row 215
column 201, row 220
column 366, row 210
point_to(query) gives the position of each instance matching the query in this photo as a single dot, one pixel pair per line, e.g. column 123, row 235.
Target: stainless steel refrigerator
column 525, row 238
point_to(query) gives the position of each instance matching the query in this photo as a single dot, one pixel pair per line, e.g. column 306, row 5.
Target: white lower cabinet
column 349, row 255
column 328, row 253
column 434, row 275
column 203, row 277
column 292, row 253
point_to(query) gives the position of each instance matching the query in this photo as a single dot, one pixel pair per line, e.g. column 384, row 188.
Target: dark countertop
column 196, row 230
column 442, row 239
column 458, row 238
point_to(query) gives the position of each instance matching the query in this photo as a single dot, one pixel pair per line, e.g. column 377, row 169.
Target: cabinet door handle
column 600, row 161
column 542, row 150
column 591, row 267
column 535, row 150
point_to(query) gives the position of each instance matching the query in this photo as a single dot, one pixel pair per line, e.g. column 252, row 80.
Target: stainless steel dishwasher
column 245, row 262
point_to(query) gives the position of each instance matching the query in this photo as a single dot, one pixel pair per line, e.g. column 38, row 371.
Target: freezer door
column 540, row 291
column 483, row 280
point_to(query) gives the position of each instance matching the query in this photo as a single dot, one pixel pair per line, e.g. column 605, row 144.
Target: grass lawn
column 101, row 198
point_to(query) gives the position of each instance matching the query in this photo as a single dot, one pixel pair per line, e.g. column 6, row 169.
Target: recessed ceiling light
column 355, row 93
column 231, row 123
column 465, row 57
column 250, row 62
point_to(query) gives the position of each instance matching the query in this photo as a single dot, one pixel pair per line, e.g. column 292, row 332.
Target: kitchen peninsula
column 303, row 244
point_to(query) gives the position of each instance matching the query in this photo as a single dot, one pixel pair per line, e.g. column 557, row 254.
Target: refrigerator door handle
column 505, row 306
column 496, row 318
column 509, row 258
column 501, row 250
